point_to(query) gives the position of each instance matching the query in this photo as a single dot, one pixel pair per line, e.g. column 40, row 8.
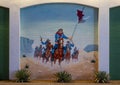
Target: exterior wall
column 14, row 62
column 103, row 36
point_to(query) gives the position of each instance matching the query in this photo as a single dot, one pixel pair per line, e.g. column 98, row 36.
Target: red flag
column 80, row 15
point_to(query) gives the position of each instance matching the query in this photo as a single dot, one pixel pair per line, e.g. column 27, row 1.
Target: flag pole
column 74, row 30
column 83, row 8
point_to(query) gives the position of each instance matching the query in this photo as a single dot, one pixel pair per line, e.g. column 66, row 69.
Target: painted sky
column 45, row 19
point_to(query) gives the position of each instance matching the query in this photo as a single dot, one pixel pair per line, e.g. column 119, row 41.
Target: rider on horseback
column 75, row 54
column 67, row 50
column 60, row 35
column 46, row 42
column 68, row 46
column 48, row 49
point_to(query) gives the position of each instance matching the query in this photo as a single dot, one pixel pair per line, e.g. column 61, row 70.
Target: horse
column 36, row 52
column 75, row 54
column 67, row 54
column 40, row 52
column 58, row 53
column 47, row 53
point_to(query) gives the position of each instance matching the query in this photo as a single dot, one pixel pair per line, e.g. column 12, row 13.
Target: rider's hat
column 60, row 29
column 68, row 41
column 48, row 39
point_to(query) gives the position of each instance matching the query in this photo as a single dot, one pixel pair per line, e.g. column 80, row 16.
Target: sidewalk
column 39, row 82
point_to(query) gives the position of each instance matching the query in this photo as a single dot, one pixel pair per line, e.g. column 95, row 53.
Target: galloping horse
column 75, row 54
column 40, row 52
column 67, row 54
column 58, row 54
column 48, row 53
column 36, row 52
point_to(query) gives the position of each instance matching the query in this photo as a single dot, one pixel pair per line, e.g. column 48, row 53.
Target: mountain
column 26, row 46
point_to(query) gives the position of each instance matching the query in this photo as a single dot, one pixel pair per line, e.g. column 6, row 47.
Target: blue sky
column 45, row 12
column 44, row 20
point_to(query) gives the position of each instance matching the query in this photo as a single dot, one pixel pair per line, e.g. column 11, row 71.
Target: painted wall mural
column 59, row 36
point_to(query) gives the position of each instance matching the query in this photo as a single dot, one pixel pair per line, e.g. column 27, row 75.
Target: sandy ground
column 81, row 69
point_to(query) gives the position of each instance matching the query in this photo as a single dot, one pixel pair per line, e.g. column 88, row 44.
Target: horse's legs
column 51, row 63
column 54, row 61
column 40, row 55
column 43, row 59
column 47, row 59
column 35, row 59
column 60, row 61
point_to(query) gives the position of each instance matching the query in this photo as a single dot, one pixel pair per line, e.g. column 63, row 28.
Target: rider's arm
column 65, row 37
column 72, row 45
column 56, row 37
column 44, row 43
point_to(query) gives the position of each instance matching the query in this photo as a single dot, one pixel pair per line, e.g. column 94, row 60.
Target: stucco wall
column 15, row 5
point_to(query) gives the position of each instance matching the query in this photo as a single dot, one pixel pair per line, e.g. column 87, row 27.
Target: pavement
column 42, row 82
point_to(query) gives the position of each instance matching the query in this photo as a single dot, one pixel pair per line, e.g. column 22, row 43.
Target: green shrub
column 101, row 77
column 23, row 75
column 63, row 77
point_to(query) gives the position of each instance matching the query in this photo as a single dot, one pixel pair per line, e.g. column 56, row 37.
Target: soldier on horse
column 60, row 35
column 58, row 50
column 67, row 50
column 47, row 54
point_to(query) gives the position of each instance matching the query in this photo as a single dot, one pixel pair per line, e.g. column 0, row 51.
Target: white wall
column 103, row 37
column 14, row 46
column 113, row 3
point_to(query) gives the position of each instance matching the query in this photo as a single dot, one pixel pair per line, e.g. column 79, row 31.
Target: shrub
column 101, row 77
column 63, row 77
column 23, row 75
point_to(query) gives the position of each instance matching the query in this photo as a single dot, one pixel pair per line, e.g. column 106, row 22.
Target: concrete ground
column 39, row 82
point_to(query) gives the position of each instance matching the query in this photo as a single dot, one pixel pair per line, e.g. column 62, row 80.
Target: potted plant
column 63, row 77
column 101, row 77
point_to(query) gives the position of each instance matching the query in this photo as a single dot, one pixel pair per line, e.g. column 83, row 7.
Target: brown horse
column 58, row 54
column 48, row 53
column 40, row 52
column 67, row 54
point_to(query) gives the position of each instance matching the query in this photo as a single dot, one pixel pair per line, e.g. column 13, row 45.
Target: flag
column 80, row 15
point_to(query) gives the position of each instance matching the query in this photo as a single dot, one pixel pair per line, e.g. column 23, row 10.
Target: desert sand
column 81, row 69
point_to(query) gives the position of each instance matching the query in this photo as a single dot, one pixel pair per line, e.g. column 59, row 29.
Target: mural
column 59, row 36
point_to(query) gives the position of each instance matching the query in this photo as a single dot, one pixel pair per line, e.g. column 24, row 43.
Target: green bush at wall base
column 23, row 75
column 63, row 77
column 101, row 77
